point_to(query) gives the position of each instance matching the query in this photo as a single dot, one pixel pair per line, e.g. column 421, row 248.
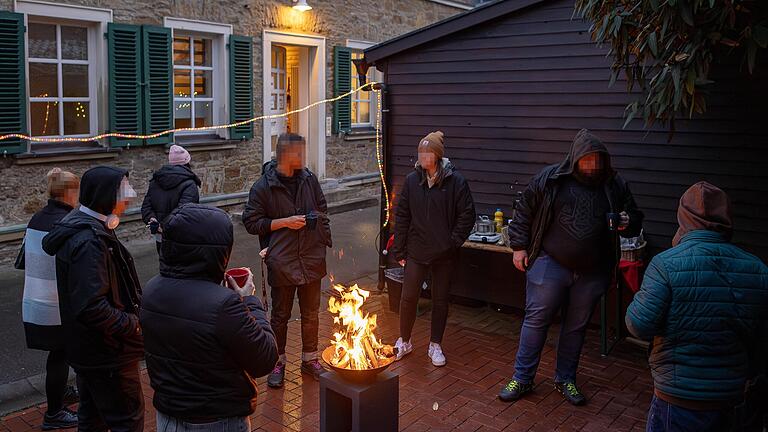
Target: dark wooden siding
column 511, row 94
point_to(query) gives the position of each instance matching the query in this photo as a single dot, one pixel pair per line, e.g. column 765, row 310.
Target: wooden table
column 491, row 247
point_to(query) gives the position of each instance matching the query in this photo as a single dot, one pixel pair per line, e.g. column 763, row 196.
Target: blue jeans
column 665, row 417
column 550, row 287
column 233, row 424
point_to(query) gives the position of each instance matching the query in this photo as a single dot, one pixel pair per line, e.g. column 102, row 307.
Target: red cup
column 239, row 274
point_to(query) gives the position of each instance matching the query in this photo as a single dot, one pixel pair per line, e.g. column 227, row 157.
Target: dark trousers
column 413, row 280
column 110, row 399
column 551, row 287
column 56, row 375
column 666, row 417
column 309, row 307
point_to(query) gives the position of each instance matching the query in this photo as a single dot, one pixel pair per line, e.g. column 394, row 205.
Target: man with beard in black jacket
column 565, row 236
column 171, row 186
column 286, row 208
column 206, row 343
column 99, row 298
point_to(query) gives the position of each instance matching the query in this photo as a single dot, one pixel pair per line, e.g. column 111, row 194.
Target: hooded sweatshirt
column 704, row 207
column 578, row 237
column 536, row 213
column 99, row 291
column 170, row 187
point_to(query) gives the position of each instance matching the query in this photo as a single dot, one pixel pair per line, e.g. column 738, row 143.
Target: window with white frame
column 61, row 72
column 194, row 95
column 200, row 77
column 363, row 102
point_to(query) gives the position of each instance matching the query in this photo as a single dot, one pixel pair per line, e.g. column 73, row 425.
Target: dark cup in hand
column 154, row 227
column 613, row 219
column 311, row 219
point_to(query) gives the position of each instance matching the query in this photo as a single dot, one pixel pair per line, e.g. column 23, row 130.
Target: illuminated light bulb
column 301, row 5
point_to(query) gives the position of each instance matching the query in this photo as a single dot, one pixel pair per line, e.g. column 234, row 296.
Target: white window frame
column 96, row 21
column 219, row 35
column 374, row 75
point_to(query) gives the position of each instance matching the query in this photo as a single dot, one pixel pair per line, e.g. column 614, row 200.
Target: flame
column 355, row 345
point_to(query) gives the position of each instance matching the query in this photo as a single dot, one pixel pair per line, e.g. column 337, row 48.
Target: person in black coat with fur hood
column 99, row 298
column 206, row 343
column 171, row 186
column 435, row 215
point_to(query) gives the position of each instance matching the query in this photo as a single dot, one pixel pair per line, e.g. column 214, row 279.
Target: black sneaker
column 314, row 368
column 63, row 419
column 570, row 392
column 514, row 390
column 276, row 378
column 71, row 395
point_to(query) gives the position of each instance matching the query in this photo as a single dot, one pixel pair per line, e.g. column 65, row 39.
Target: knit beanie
column 434, row 143
column 177, row 155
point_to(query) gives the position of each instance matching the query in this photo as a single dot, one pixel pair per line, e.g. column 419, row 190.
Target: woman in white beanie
column 171, row 186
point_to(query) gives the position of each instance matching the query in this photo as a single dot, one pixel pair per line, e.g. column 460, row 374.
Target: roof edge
column 452, row 24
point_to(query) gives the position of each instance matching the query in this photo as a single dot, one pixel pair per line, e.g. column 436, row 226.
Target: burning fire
column 355, row 346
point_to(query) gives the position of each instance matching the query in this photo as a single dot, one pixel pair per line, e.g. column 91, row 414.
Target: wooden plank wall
column 510, row 96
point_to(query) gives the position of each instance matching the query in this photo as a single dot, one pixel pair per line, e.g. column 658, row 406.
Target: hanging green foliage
column 668, row 46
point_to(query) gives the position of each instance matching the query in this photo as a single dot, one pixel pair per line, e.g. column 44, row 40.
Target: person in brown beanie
column 435, row 214
column 703, row 303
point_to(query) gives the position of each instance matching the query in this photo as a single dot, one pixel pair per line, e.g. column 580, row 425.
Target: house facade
column 81, row 68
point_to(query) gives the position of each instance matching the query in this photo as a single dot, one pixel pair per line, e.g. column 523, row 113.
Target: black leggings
column 56, row 374
column 415, row 276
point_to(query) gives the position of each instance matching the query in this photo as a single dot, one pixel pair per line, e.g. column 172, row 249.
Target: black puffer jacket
column 170, row 187
column 99, row 291
column 205, row 345
column 296, row 257
column 534, row 215
column 433, row 223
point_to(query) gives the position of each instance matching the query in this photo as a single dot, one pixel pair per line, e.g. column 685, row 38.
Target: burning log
column 355, row 346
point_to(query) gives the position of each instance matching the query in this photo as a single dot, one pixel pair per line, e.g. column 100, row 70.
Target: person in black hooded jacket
column 171, row 186
column 279, row 206
column 565, row 236
column 435, row 215
column 99, row 298
column 206, row 343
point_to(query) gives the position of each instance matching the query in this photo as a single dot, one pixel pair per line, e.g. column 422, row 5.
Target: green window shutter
column 240, row 86
column 125, row 108
column 13, row 88
column 342, row 83
column 158, row 83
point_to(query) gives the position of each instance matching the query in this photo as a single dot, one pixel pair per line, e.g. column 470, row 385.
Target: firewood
column 372, row 357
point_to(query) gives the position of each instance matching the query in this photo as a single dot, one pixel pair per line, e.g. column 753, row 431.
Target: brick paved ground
column 480, row 345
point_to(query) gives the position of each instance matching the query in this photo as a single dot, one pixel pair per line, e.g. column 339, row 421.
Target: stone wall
column 22, row 191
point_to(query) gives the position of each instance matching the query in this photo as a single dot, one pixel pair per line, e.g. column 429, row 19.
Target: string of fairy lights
column 366, row 87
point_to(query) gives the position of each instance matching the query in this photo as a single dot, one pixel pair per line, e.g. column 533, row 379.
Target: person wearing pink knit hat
column 178, row 155
column 170, row 187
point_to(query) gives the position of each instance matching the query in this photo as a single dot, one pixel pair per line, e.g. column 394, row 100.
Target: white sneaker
column 436, row 354
column 402, row 348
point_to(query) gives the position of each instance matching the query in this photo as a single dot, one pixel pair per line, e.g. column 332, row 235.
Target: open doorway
column 294, row 77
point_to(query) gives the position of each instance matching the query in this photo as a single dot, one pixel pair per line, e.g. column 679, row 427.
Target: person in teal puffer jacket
column 703, row 303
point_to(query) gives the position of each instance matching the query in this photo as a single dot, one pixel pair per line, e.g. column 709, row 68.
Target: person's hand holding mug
column 401, row 262
column 624, row 222
column 520, row 258
column 247, row 289
column 295, row 222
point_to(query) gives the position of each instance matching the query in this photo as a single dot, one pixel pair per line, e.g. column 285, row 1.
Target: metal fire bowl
column 356, row 375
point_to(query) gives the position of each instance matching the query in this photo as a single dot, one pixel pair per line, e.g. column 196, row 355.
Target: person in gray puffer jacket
column 703, row 303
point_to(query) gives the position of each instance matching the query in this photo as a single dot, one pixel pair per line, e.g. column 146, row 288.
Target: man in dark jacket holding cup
column 206, row 343
column 286, row 208
column 565, row 236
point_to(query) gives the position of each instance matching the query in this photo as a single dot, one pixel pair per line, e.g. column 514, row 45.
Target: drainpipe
column 384, row 232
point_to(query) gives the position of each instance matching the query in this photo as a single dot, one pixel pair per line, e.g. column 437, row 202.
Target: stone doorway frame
column 313, row 67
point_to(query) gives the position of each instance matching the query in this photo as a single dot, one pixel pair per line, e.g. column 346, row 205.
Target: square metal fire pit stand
column 348, row 406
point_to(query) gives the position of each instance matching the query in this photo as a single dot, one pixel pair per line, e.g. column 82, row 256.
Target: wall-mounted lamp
column 362, row 69
column 301, row 5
